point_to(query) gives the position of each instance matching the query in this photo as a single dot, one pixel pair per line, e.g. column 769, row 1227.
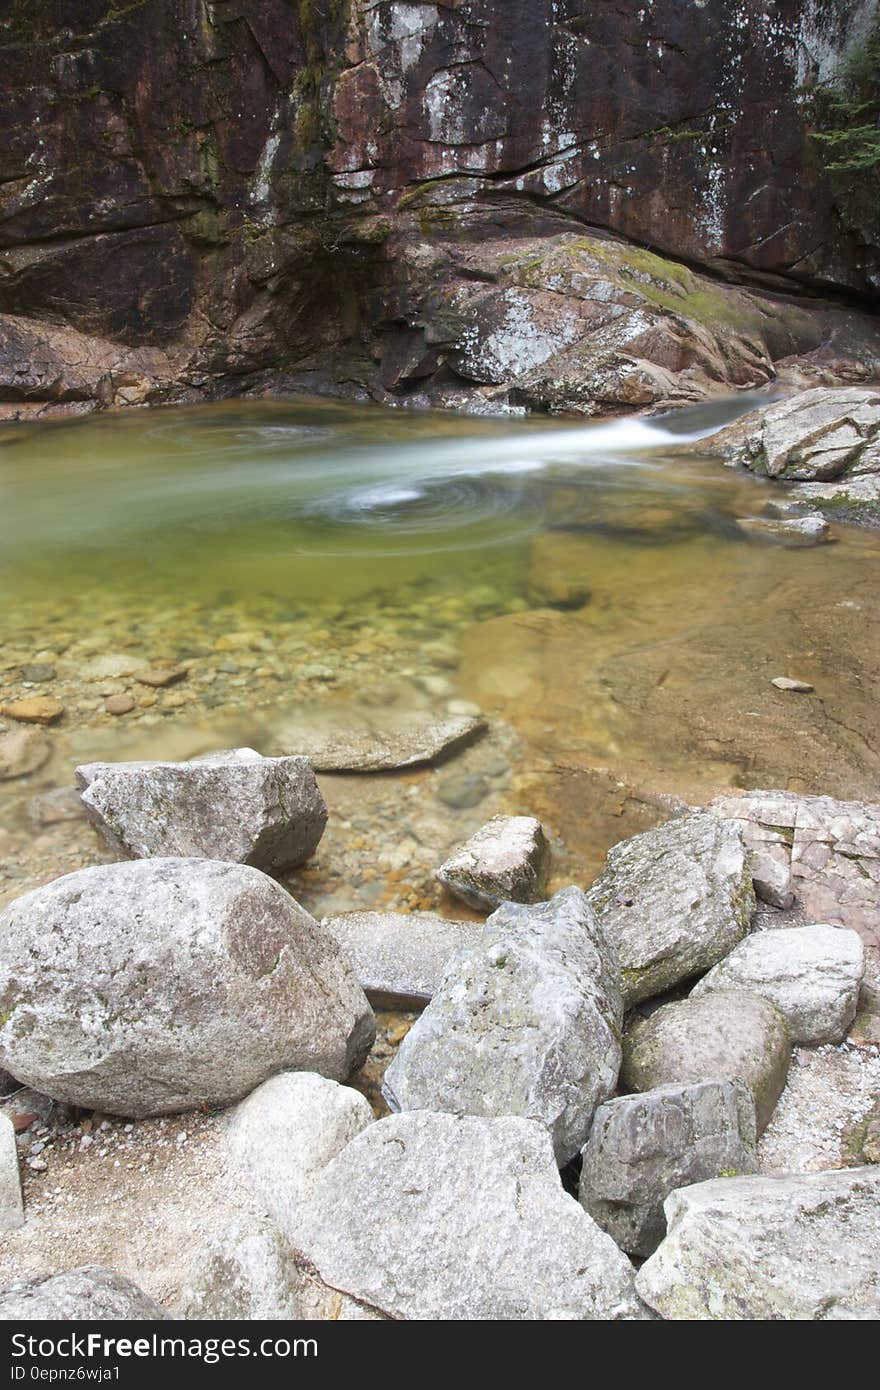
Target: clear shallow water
column 588, row 583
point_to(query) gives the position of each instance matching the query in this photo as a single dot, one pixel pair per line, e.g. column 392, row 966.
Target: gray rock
column 507, row 860
column 525, row 1023
column 400, row 957
column 22, row 752
column 831, row 850
column 11, row 1204
column 286, row 1131
column 235, row 806
column 404, row 740
column 812, row 974
column 794, row 533
column 641, row 1147
column 463, row 790
column 814, row 435
column 249, row 1271
column 89, row 1294
column 160, row 985
column 793, row 684
column 674, row 900
column 443, row 1217
column 728, row 1033
column 772, row 1248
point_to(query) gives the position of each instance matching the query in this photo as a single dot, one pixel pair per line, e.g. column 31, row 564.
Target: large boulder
column 642, row 1147
column 400, row 957
column 727, row 1033
column 812, row 974
column 11, row 1205
column 507, row 860
column 235, row 806
column 443, row 1217
column 89, row 1294
column 161, row 985
column 525, row 1023
column 674, row 900
column 814, row 435
column 793, row 1247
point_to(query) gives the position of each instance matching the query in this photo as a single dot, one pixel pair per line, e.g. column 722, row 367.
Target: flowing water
column 588, row 587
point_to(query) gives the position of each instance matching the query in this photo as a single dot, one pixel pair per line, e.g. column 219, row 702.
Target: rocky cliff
column 439, row 201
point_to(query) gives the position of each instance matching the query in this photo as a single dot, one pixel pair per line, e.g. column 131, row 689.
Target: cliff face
column 192, row 193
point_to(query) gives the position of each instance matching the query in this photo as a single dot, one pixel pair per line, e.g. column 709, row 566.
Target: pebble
column 161, row 675
column 789, row 683
column 36, row 709
column 462, row 790
column 119, row 704
column 37, row 672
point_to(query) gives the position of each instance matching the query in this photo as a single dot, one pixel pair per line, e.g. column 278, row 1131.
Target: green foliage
column 847, row 110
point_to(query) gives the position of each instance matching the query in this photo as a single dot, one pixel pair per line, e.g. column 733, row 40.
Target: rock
column 443, row 1217
column 11, row 1204
column 35, row 709
column 788, row 683
column 250, row 1272
column 674, row 900
column 22, row 751
column 796, row 1248
column 158, row 676
column 644, row 1146
column 814, row 435
column 507, row 860
column 38, row 672
column 89, row 1294
column 57, row 805
column 400, row 957
column 120, row 704
column 797, row 533
column 161, row 985
column 382, row 746
column 812, row 974
column 286, row 1131
column 110, row 666
column 463, row 790
column 527, row 1023
column 830, row 850
column 234, row 806
column 556, row 576
column 729, row 1034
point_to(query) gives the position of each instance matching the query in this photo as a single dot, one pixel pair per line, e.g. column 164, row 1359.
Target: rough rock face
column 256, row 186
column 822, row 854
column 11, row 1207
column 90, row 1294
column 525, row 1023
column 507, row 860
column 235, row 806
column 674, row 900
column 812, row 974
column 641, row 1147
column 728, row 1033
column 164, row 984
column 794, row 1248
column 383, row 743
column 400, row 957
column 476, row 1225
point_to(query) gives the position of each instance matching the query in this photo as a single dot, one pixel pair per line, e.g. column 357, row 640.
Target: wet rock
column 110, row 666
column 798, row 687
column 384, row 745
column 38, row 672
column 831, row 850
column 22, row 751
column 797, row 533
column 527, row 1023
column 160, row 676
column 286, row 1131
column 463, row 790
column 236, row 806
column 794, row 1248
column 644, row 1146
column 674, row 900
column 166, row 984
column 812, row 974
column 507, row 860
column 400, row 957
column 120, row 704
column 11, row 1204
column 556, row 577
column 729, row 1034
column 815, row 435
column 34, row 709
column 412, row 1216
column 89, row 1294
